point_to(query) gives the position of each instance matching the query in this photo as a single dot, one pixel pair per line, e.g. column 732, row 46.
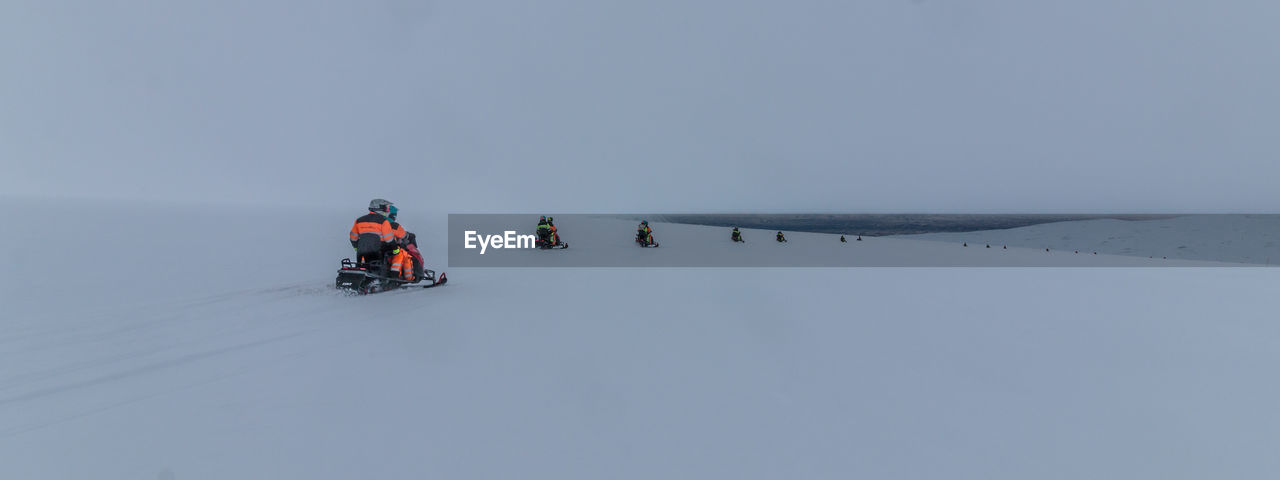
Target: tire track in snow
column 153, row 367
column 20, row 429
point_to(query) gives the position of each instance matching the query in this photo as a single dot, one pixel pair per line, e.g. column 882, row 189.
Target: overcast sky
column 656, row 105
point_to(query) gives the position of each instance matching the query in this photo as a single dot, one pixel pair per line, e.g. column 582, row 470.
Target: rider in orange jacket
column 371, row 234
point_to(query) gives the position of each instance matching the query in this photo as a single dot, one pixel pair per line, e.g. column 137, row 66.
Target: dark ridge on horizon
column 877, row 224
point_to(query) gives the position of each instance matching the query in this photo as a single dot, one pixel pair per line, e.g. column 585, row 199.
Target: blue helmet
column 394, row 211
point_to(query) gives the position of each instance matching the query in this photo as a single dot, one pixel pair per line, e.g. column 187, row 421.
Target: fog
column 584, row 106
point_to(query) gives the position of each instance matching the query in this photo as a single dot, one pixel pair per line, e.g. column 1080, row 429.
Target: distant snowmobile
column 372, row 277
column 781, row 238
column 644, row 235
column 646, row 241
column 552, row 243
column 548, row 235
column 736, row 236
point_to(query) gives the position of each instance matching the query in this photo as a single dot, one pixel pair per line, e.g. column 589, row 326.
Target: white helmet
column 379, row 205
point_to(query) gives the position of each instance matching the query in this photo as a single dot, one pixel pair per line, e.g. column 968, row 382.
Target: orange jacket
column 398, row 231
column 402, row 264
column 374, row 229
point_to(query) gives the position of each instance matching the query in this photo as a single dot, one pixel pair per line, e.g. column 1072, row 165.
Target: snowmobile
column 737, row 237
column 372, row 277
column 645, row 240
column 549, row 241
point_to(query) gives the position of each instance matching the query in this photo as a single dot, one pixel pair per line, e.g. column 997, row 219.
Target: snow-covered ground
column 207, row 343
column 1222, row 238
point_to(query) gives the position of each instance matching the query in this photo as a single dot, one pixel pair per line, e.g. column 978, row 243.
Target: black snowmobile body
column 643, row 241
column 365, row 278
column 545, row 243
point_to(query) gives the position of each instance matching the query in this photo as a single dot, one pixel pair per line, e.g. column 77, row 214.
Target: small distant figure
column 781, row 238
column 988, row 245
column 842, row 240
column 644, row 235
column 736, row 236
column 859, row 238
column 965, row 244
column 1046, row 249
column 1095, row 253
column 1006, row 247
column 548, row 236
column 1077, row 251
